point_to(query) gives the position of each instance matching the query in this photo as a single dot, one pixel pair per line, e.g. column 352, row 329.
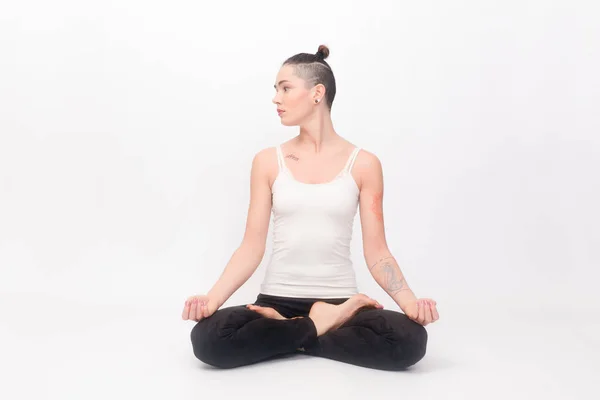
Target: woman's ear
column 319, row 92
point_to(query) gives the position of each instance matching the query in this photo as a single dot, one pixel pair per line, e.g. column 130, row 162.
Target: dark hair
column 314, row 70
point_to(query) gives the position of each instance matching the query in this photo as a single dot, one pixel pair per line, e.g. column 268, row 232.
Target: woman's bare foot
column 267, row 312
column 328, row 317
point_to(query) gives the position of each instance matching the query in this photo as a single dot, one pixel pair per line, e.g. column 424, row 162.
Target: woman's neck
column 317, row 134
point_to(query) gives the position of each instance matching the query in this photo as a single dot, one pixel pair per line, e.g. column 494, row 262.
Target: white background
column 127, row 130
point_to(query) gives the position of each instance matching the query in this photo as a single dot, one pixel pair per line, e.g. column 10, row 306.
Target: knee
column 411, row 347
column 201, row 341
column 205, row 345
column 418, row 342
column 211, row 339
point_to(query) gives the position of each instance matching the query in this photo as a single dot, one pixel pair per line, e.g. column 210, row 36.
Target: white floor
column 53, row 348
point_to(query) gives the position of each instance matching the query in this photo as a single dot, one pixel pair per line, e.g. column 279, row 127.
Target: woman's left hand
column 423, row 311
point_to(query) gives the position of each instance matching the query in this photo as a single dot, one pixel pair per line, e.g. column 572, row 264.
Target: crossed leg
column 236, row 336
column 373, row 338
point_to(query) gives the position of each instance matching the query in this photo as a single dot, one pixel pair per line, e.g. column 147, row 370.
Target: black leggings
column 373, row 338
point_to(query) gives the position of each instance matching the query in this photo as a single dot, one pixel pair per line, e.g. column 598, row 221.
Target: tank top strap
column 280, row 160
column 351, row 159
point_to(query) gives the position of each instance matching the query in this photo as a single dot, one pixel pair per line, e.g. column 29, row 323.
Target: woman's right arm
column 247, row 257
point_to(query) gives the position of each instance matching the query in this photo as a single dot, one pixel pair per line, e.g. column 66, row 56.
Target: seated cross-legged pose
column 308, row 302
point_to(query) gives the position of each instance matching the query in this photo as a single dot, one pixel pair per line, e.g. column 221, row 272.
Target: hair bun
column 323, row 52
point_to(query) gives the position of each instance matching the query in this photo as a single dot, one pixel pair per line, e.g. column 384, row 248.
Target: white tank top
column 312, row 231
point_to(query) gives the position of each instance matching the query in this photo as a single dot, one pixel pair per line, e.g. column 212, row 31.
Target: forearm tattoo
column 389, row 273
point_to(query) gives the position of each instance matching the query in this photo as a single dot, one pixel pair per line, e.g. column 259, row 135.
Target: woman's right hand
column 199, row 307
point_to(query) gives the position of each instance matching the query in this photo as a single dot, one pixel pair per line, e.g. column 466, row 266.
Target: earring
column 317, row 100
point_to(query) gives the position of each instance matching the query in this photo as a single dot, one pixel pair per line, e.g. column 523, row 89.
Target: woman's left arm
column 382, row 264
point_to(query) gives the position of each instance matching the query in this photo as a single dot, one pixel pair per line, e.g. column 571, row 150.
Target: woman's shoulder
column 366, row 158
column 266, row 164
column 266, row 157
column 265, row 152
column 364, row 155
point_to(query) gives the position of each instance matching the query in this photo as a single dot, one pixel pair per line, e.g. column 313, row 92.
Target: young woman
column 308, row 302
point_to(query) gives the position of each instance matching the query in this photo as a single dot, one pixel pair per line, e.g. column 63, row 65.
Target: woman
column 308, row 301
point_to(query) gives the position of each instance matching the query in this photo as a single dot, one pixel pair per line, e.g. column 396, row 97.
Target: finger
column 186, row 310
column 428, row 317
column 203, row 311
column 426, row 313
column 434, row 313
column 193, row 308
column 421, row 317
column 190, row 304
column 198, row 315
column 200, row 311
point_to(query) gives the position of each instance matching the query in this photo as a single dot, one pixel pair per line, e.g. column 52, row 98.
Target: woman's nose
column 276, row 98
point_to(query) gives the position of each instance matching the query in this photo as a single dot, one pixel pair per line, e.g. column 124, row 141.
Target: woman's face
column 294, row 102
